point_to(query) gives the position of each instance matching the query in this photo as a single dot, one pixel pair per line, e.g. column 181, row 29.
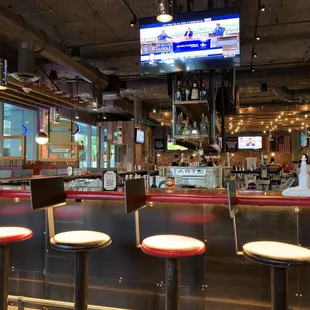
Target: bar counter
column 121, row 276
column 178, row 195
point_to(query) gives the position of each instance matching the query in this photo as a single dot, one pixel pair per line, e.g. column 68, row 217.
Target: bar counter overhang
column 123, row 277
column 203, row 196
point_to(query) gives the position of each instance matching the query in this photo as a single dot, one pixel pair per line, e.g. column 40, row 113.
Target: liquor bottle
column 178, row 92
column 179, row 124
column 187, row 90
column 154, row 182
column 201, row 151
column 186, row 128
column 203, row 125
column 203, row 90
column 195, row 90
column 195, row 130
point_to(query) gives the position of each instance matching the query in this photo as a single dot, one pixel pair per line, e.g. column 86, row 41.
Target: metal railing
column 21, row 301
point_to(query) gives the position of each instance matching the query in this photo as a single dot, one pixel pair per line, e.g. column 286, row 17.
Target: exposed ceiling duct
column 146, row 89
column 293, row 95
column 17, row 28
column 25, row 73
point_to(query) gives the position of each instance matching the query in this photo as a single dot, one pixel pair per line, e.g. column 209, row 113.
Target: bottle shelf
column 191, row 102
column 191, row 137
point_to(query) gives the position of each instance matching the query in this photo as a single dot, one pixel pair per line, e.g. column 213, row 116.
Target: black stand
column 4, row 274
column 278, row 288
column 80, row 281
column 173, row 277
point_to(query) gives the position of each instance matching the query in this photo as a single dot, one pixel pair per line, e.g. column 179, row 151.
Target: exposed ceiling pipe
column 17, row 28
column 293, row 95
column 145, row 89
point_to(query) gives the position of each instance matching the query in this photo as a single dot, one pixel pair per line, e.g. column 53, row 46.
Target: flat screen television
column 140, row 136
column 303, row 139
column 250, row 143
column 192, row 41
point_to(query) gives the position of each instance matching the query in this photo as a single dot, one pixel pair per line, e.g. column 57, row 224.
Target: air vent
column 25, row 77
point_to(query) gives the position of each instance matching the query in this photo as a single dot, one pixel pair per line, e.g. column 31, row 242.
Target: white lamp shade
column 42, row 137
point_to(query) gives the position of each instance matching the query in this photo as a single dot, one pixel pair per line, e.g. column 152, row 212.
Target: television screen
column 250, row 143
column 192, row 41
column 139, row 136
column 175, row 147
column 303, row 139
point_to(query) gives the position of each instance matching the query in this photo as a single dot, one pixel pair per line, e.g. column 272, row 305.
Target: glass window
column 93, row 150
column 18, row 121
column 82, row 139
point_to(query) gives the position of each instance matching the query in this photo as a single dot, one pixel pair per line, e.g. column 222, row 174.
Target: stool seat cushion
column 172, row 246
column 276, row 254
column 80, row 240
column 14, row 234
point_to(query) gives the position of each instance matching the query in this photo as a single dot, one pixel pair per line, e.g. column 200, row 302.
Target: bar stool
column 80, row 242
column 279, row 257
column 172, row 247
column 8, row 235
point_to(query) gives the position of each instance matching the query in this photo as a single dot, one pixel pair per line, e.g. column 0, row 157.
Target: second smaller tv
column 140, row 136
column 250, row 143
column 303, row 139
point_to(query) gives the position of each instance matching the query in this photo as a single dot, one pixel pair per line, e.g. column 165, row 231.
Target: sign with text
column 109, row 180
column 231, row 144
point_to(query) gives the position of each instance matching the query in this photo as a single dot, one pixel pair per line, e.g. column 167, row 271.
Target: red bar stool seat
column 172, row 247
column 279, row 256
column 14, row 234
column 80, row 240
column 8, row 235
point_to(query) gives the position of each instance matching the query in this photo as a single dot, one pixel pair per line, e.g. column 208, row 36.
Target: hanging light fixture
column 3, row 74
column 55, row 115
column 164, row 11
column 263, row 87
column 76, row 53
column 42, row 137
column 93, row 106
column 76, row 116
column 53, row 75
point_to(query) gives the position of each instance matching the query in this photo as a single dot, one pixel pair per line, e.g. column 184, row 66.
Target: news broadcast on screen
column 189, row 42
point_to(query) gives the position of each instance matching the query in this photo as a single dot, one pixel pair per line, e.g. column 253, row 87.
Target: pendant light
column 42, row 137
column 76, row 53
column 3, row 74
column 164, row 11
column 76, row 116
column 55, row 115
